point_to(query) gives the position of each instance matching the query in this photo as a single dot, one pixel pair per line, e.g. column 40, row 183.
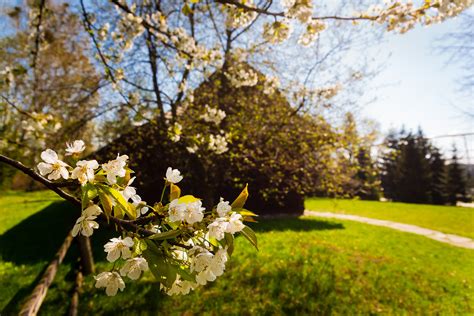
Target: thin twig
column 130, row 225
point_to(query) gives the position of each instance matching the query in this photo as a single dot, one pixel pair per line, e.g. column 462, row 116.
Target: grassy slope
column 16, row 206
column 28, row 238
column 305, row 266
column 448, row 219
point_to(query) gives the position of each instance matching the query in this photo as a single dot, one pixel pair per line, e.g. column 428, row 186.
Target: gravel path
column 454, row 240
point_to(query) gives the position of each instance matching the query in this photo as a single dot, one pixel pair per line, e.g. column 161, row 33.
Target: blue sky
column 418, row 88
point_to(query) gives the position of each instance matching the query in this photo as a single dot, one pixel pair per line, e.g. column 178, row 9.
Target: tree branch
column 130, row 225
column 282, row 14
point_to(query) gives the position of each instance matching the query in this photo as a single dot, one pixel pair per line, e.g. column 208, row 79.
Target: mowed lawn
column 304, row 266
column 447, row 219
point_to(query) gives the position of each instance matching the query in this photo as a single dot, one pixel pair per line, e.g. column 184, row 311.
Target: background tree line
column 415, row 171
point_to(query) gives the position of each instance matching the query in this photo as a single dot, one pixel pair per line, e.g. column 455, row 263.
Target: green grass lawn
column 447, row 219
column 16, row 206
column 304, row 266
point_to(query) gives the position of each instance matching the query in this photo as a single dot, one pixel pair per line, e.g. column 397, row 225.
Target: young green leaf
column 165, row 235
column 241, row 199
column 250, row 235
column 121, row 202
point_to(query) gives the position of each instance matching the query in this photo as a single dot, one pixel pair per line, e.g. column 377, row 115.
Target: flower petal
column 49, row 156
column 45, row 168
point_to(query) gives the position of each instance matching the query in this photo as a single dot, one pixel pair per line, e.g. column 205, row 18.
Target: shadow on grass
column 294, row 224
column 38, row 237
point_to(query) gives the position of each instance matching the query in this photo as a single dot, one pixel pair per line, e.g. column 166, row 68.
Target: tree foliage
column 415, row 171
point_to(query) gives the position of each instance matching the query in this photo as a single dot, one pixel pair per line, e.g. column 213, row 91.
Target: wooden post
column 33, row 303
column 75, row 296
column 85, row 250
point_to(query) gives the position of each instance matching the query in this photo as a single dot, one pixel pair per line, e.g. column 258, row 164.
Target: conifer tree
column 456, row 183
column 438, row 178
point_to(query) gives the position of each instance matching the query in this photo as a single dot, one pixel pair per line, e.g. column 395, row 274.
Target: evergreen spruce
column 456, row 183
column 438, row 178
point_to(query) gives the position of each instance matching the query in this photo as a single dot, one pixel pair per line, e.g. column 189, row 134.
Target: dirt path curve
column 454, row 240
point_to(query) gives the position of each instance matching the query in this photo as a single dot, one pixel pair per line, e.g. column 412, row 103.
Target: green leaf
column 241, row 199
column 106, row 202
column 165, row 235
column 245, row 212
column 151, row 245
column 121, row 202
column 186, row 275
column 229, row 239
column 162, row 270
column 85, row 195
column 175, row 192
column 213, row 241
column 186, row 9
column 187, row 199
column 250, row 235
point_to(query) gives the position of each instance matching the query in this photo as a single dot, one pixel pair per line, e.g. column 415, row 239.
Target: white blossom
column 237, row 17
column 208, row 265
column 86, row 223
column 141, row 208
column 133, row 267
column 217, row 144
column 130, row 192
column 313, row 28
column 240, row 77
column 84, row 171
column 277, row 32
column 299, row 9
column 173, row 175
column 118, row 246
column 235, row 223
column 271, row 84
column 174, row 132
column 93, row 210
column 115, row 168
column 112, row 281
column 181, row 287
column 52, row 166
column 194, row 212
column 76, row 147
column 213, row 115
column 218, row 228
column 192, row 149
column 176, row 211
column 223, row 208
column 190, row 213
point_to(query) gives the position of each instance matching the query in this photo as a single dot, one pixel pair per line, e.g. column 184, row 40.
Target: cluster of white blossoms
column 174, row 132
column 35, row 129
column 7, row 77
column 241, row 77
column 213, row 115
column 301, row 10
column 237, row 17
column 272, row 83
column 277, row 32
column 190, row 49
column 227, row 222
column 402, row 17
column 188, row 212
column 37, row 36
column 180, row 242
column 313, row 28
column 328, row 92
column 218, row 144
column 215, row 143
column 128, row 28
